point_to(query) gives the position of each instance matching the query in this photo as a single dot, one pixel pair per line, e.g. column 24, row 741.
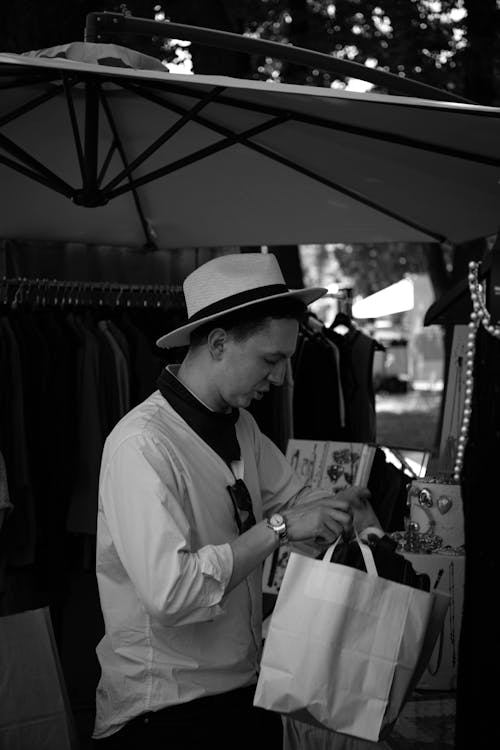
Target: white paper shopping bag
column 343, row 646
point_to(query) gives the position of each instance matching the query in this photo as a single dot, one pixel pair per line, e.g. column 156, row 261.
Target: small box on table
column 436, row 508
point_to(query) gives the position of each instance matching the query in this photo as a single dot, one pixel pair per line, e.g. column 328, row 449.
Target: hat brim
column 181, row 336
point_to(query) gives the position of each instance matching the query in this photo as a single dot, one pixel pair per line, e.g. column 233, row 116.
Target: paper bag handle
column 370, row 566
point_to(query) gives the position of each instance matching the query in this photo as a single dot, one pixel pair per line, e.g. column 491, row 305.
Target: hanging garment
column 64, row 383
column 124, row 348
column 5, row 508
column 119, row 369
column 82, row 513
column 274, row 412
column 21, row 537
column 5, row 504
column 60, row 407
column 356, row 368
column 108, row 388
column 317, row 411
column 479, row 653
column 145, row 363
column 36, row 371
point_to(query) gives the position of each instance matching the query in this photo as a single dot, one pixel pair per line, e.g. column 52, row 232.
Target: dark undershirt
column 217, row 429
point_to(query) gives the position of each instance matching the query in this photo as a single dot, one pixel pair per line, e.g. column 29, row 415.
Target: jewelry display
column 412, row 540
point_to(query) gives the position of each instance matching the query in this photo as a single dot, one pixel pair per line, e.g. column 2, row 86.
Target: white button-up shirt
column 165, row 522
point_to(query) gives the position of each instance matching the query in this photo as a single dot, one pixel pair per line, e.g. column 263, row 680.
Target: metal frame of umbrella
column 105, row 27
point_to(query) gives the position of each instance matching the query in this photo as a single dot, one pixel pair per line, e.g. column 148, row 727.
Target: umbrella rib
column 150, row 240
column 341, row 189
column 33, row 175
column 379, row 135
column 169, row 133
column 243, row 138
column 355, row 129
column 106, row 162
column 51, row 179
column 197, row 156
column 74, row 123
column 18, row 84
column 414, row 143
column 27, row 107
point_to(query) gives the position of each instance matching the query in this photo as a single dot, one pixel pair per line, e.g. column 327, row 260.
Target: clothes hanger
column 342, row 319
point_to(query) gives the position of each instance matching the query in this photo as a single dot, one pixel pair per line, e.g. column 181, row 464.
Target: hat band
column 241, row 298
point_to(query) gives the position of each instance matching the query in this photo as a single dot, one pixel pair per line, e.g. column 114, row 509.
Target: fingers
column 333, row 528
column 339, row 521
column 356, row 496
column 352, row 496
column 333, row 523
column 329, row 532
column 320, row 514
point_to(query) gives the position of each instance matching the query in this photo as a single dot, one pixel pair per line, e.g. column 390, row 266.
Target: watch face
column 276, row 520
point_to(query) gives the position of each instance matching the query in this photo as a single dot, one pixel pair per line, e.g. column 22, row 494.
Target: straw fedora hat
column 231, row 282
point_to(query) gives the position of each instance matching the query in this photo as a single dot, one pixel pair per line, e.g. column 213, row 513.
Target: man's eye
column 270, row 362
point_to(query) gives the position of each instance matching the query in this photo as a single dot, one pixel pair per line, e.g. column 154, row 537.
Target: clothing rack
column 41, row 293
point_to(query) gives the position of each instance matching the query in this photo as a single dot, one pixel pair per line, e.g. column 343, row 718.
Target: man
column 193, row 498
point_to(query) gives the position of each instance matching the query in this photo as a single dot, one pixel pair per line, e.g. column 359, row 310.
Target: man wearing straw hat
column 193, row 498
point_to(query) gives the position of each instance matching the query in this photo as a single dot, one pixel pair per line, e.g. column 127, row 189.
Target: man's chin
column 245, row 401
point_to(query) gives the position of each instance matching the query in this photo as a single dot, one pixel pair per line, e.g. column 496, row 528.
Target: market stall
column 100, row 146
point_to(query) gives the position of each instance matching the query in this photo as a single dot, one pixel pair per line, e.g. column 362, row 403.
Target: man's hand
column 364, row 515
column 321, row 517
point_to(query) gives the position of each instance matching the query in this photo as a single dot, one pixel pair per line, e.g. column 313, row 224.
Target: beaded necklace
column 479, row 316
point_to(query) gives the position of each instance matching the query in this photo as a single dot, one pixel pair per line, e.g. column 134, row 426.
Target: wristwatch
column 278, row 524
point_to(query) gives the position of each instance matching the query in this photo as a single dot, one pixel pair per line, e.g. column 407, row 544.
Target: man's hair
column 246, row 321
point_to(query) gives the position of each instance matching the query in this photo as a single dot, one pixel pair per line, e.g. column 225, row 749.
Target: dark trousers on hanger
column 227, row 721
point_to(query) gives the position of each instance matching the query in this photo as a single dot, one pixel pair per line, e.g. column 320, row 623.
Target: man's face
column 248, row 368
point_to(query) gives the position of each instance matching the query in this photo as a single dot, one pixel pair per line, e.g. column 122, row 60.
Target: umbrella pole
column 91, row 195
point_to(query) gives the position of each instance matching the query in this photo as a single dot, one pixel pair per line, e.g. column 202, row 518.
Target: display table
column 447, row 571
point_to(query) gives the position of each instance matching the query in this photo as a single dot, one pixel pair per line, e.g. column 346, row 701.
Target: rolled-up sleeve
column 142, row 504
column 280, row 485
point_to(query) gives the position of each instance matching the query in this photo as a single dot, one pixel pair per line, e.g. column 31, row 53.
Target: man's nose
column 277, row 374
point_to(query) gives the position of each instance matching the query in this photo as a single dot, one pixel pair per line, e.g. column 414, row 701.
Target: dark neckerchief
column 215, row 428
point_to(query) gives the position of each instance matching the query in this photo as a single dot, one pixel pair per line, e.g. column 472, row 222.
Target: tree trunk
column 298, row 36
column 289, row 260
column 483, row 26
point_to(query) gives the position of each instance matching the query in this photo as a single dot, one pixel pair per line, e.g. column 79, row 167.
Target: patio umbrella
column 99, row 144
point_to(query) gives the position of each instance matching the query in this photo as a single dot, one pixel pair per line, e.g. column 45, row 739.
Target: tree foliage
column 405, row 38
column 451, row 44
column 376, row 266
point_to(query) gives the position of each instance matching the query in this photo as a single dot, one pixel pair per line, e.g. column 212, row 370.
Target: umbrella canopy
column 113, row 152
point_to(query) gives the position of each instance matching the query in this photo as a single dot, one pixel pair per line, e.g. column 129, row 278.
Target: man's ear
column 216, row 341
